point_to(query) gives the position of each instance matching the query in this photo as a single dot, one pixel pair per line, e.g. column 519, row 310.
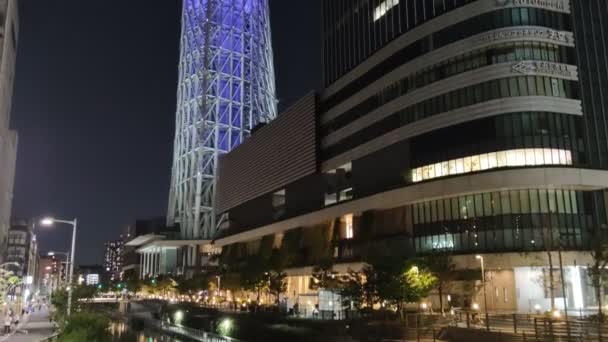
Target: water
column 123, row 333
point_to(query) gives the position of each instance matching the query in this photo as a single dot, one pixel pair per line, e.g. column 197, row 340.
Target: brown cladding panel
column 278, row 154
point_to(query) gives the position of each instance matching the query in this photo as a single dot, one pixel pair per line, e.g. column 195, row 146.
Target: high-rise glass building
column 470, row 127
column 226, row 88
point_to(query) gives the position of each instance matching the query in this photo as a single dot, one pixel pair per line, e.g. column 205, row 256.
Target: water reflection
column 123, row 333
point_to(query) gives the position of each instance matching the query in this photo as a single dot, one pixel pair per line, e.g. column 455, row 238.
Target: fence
column 533, row 327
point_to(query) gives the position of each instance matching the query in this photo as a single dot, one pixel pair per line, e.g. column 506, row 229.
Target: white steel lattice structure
column 226, row 87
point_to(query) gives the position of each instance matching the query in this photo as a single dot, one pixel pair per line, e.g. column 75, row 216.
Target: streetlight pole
column 74, row 223
column 483, row 281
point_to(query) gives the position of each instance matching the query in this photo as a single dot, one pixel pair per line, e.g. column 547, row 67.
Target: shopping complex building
column 477, row 127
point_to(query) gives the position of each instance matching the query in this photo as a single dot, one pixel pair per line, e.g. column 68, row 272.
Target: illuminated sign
column 556, row 5
column 536, row 67
column 529, row 32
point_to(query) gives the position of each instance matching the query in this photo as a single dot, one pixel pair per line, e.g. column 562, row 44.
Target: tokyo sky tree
column 226, row 87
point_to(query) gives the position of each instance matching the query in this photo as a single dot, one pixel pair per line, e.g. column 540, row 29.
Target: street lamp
column 48, row 221
column 483, row 280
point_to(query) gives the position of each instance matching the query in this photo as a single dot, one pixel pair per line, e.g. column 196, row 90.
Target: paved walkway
column 34, row 328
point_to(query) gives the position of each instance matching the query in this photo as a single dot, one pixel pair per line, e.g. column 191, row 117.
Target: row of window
column 499, row 239
column 493, row 160
column 531, row 201
column 496, row 54
column 338, row 50
column 340, row 196
column 463, row 97
column 510, row 131
column 353, row 30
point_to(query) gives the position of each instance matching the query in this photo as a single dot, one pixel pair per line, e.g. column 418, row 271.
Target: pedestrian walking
column 7, row 324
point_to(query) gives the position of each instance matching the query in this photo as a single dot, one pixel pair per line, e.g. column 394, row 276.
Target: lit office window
column 383, row 8
column 509, row 158
column 348, row 220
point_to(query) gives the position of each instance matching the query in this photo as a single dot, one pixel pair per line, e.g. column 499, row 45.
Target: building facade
column 52, row 273
column 22, row 251
column 90, row 275
column 22, row 248
column 473, row 127
column 9, row 24
column 112, row 260
column 226, row 87
column 143, row 235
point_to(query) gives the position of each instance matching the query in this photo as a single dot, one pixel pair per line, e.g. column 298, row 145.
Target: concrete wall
column 8, row 138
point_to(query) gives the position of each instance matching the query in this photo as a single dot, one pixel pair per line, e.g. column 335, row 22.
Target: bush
column 86, row 326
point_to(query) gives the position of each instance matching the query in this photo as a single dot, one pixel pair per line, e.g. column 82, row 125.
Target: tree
column 596, row 270
column 324, row 276
column 254, row 276
column 441, row 266
column 277, row 284
column 402, row 281
column 8, row 281
column 86, row 326
column 192, row 285
column 360, row 288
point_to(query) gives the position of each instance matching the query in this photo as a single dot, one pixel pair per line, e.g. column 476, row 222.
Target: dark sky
column 94, row 106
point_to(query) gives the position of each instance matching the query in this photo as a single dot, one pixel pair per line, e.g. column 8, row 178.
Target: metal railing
column 195, row 334
column 533, row 327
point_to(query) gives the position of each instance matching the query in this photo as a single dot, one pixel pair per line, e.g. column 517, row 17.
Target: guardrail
column 533, row 327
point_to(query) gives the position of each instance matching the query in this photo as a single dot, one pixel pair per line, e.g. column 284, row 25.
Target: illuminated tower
column 226, row 87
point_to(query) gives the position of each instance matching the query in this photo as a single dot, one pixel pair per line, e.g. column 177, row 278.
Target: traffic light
column 119, row 285
column 99, row 287
column 153, row 281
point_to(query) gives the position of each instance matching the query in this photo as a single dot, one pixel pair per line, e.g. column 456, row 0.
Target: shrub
column 86, row 326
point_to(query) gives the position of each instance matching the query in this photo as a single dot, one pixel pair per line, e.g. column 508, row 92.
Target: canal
column 121, row 332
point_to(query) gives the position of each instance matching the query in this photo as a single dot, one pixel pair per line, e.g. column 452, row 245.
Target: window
column 331, row 199
column 383, row 8
column 346, row 194
column 348, row 226
column 509, row 158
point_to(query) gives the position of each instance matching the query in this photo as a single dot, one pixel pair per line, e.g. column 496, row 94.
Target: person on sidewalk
column 7, row 324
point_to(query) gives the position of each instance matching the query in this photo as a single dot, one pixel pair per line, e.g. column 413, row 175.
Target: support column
column 153, row 263
column 147, row 264
column 157, row 262
column 141, row 266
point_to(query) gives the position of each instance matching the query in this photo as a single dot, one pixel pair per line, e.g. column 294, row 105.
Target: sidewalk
column 37, row 326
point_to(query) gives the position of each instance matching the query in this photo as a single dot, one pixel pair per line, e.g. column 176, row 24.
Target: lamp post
column 483, row 281
column 49, row 222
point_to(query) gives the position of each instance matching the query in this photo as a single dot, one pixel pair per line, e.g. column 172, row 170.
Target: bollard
column 525, row 340
column 433, row 334
column 468, row 320
column 515, row 323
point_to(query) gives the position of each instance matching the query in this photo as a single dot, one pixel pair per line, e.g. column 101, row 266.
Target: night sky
column 94, row 106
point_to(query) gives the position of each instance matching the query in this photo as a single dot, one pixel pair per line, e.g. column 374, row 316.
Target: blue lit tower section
column 226, row 87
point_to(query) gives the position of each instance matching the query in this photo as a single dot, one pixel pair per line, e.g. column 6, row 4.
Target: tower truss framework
column 226, row 87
